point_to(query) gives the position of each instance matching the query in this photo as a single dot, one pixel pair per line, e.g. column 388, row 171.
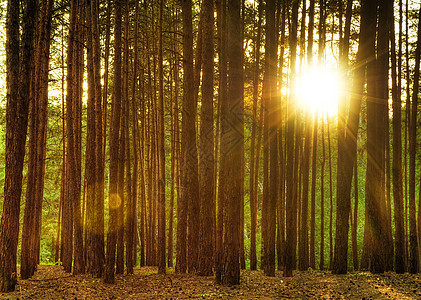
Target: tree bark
column 233, row 140
column 291, row 196
column 253, row 157
column 413, row 266
column 114, row 199
column 161, row 155
column 18, row 80
column 206, row 175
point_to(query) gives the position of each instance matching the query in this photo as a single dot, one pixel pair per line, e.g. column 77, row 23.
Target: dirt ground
column 51, row 282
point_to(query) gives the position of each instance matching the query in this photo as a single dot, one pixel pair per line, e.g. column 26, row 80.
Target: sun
column 319, row 91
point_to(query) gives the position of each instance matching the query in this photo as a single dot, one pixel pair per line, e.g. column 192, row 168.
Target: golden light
column 115, row 201
column 319, row 91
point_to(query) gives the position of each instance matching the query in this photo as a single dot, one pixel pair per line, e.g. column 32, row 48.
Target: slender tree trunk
column 314, row 162
column 100, row 142
column 407, row 121
column 397, row 180
column 68, row 210
column 90, row 162
column 33, row 206
column 135, row 138
column 114, row 199
column 330, row 198
column 63, row 190
column 222, row 26
column 142, row 137
column 106, row 77
column 413, row 240
column 207, row 207
column 303, row 261
column 291, row 199
column 176, row 141
column 18, row 99
column 347, row 149
column 124, row 192
column 354, row 219
column 161, row 155
column 271, row 144
column 253, row 157
column 280, row 245
column 130, row 205
column 189, row 205
column 382, row 91
column 322, row 199
column 233, row 141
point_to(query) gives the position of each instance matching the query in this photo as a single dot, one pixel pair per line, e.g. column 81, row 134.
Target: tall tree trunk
column 206, row 176
column 18, row 99
column 375, row 196
column 280, row 242
column 189, row 205
column 133, row 234
column 34, row 196
column 143, row 191
column 397, row 180
column 90, row 153
column 114, row 199
column 68, row 210
column 253, row 157
column 271, row 125
column 130, row 206
column 223, row 67
column 122, row 183
column 407, row 122
column 413, row 241
column 100, row 142
column 347, row 149
column 64, row 159
column 77, row 122
column 382, row 94
column 161, row 155
column 291, row 199
column 175, row 150
column 233, row 141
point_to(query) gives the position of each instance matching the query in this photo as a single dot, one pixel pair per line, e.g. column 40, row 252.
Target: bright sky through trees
column 319, row 90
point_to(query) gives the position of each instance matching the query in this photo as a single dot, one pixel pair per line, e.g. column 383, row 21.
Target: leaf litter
column 51, row 282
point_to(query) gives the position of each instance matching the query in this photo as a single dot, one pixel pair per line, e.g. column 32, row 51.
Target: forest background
column 163, row 73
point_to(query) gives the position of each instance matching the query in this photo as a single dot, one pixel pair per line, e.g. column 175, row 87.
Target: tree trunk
column 413, row 241
column 270, row 191
column 223, row 67
column 18, row 99
column 90, row 154
column 253, row 157
column 314, row 163
column 100, row 142
column 114, row 199
column 322, row 200
column 232, row 139
column 207, row 198
column 161, row 155
column 33, row 206
column 397, row 180
column 291, row 196
column 347, row 149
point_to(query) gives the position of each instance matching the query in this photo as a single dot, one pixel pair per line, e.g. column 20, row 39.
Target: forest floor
column 51, row 282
